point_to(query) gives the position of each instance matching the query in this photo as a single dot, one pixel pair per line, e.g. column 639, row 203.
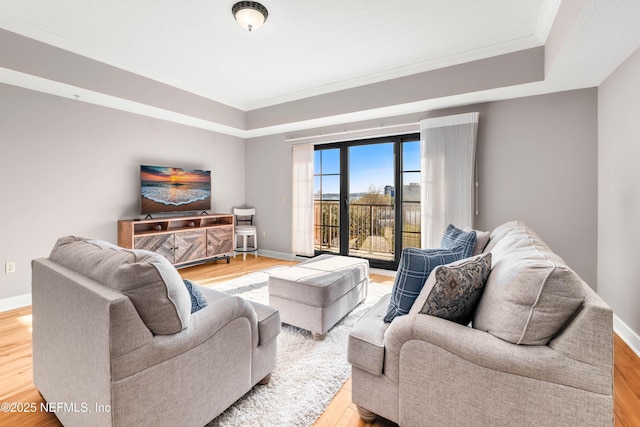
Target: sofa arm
column 483, row 349
column 365, row 347
column 203, row 326
column 589, row 335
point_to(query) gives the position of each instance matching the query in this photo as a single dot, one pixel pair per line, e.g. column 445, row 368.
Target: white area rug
column 308, row 374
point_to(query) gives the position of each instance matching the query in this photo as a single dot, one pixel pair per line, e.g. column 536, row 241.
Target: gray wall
column 537, row 162
column 69, row 167
column 268, row 177
column 73, row 170
column 619, row 194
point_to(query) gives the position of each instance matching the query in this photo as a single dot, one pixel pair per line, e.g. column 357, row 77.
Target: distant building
column 411, row 192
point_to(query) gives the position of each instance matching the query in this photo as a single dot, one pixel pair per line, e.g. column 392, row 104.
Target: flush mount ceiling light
column 249, row 14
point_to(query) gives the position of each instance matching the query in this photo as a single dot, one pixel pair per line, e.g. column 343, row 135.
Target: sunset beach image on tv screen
column 165, row 189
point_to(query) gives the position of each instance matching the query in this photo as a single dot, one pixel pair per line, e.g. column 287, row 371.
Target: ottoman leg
column 318, row 337
column 265, row 380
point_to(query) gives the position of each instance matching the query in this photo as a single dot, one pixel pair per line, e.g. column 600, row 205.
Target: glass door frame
column 397, row 141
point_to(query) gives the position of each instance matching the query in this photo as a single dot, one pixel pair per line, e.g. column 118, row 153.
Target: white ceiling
column 307, row 48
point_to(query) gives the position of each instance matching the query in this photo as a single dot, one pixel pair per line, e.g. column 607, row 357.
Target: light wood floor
column 16, row 383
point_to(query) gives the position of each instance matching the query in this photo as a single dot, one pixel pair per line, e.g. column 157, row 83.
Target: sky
column 165, row 174
column 369, row 165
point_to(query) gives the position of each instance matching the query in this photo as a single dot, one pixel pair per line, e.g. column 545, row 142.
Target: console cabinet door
column 159, row 243
column 219, row 240
column 190, row 246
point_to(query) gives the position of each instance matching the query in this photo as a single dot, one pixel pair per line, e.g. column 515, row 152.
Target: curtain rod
column 310, row 138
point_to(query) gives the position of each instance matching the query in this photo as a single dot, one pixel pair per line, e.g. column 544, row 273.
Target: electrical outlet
column 10, row 267
column 264, row 234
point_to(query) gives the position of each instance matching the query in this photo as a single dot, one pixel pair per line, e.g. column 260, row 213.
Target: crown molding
column 485, row 52
column 63, row 90
column 546, row 19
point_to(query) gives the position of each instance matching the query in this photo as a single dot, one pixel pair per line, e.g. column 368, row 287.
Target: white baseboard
column 15, row 302
column 279, row 255
column 627, row 334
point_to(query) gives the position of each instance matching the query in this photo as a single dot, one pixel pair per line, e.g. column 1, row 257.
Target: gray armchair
column 115, row 342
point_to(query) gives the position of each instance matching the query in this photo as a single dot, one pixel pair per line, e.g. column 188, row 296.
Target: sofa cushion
column 198, row 301
column 499, row 232
column 152, row 284
column 413, row 270
column 454, row 237
column 453, row 291
column 531, row 293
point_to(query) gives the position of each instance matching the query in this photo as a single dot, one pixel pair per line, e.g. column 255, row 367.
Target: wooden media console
column 182, row 240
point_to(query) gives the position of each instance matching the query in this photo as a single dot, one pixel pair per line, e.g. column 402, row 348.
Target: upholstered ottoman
column 317, row 293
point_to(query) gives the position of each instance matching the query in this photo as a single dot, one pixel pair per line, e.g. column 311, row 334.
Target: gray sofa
column 115, row 342
column 539, row 350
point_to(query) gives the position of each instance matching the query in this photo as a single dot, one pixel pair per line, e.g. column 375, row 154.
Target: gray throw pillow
column 482, row 238
column 153, row 285
column 453, row 291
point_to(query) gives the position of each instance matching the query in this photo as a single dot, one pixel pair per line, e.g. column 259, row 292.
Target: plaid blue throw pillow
column 454, row 237
column 413, row 271
column 198, row 301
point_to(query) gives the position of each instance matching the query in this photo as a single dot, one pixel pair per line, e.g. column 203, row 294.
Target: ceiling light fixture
column 249, row 14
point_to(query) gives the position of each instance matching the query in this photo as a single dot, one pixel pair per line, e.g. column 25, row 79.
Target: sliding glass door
column 361, row 189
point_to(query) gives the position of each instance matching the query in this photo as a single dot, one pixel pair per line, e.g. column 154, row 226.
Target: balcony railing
column 371, row 228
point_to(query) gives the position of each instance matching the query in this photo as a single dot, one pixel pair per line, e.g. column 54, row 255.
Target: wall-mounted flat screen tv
column 165, row 189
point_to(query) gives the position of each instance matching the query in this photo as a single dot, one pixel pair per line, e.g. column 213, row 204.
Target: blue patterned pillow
column 413, row 271
column 454, row 237
column 198, row 300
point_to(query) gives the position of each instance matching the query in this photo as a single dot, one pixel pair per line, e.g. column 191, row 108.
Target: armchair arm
column 204, row 325
column 483, row 349
column 365, row 347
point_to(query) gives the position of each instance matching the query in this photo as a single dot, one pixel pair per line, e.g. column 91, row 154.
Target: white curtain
column 448, row 151
column 302, row 201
